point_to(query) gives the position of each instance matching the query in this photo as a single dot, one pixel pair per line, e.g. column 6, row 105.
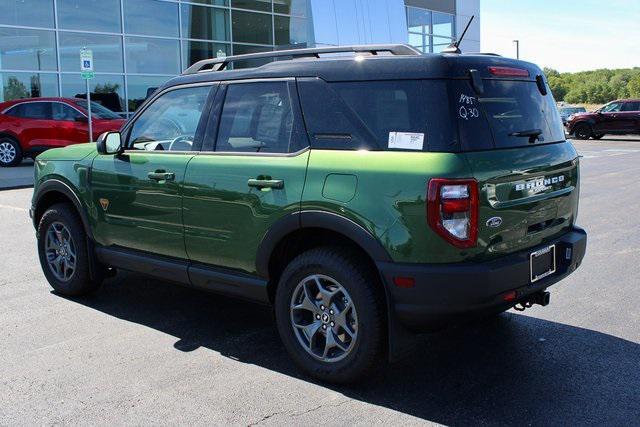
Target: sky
column 568, row 35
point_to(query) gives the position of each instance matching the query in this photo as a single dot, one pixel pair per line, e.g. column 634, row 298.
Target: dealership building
column 139, row 44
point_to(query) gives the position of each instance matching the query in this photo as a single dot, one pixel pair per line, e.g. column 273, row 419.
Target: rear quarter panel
column 389, row 197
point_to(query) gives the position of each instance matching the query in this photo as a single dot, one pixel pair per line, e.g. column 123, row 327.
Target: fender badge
column 494, row 222
column 105, row 204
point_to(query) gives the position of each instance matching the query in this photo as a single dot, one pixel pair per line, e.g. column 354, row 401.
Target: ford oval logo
column 494, row 222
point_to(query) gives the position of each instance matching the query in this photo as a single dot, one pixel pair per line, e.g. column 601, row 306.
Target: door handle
column 266, row 183
column 161, row 176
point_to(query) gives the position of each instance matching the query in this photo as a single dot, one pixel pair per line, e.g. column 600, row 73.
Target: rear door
column 249, row 175
column 528, row 177
column 630, row 114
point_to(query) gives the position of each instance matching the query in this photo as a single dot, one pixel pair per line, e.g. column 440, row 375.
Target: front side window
column 614, row 107
column 170, row 122
column 64, row 112
column 256, row 117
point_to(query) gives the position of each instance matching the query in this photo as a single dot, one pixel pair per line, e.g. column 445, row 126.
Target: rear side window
column 369, row 115
column 32, row 110
column 258, row 117
column 631, row 106
column 513, row 111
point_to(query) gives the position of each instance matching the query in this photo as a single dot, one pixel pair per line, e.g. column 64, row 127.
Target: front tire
column 582, row 131
column 330, row 315
column 62, row 249
column 10, row 152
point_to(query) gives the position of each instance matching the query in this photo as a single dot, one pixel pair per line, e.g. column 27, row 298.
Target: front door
column 609, row 119
column 249, row 175
column 137, row 195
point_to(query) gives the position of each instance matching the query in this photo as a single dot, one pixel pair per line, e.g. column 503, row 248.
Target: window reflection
column 32, row 13
column 152, row 56
column 442, row 24
column 291, row 7
column 28, row 85
column 252, row 28
column 106, row 90
column 107, row 51
column 291, row 31
column 89, row 15
column 194, row 51
column 27, row 49
column 242, row 49
column 263, row 5
column 151, row 17
column 205, row 23
column 141, row 87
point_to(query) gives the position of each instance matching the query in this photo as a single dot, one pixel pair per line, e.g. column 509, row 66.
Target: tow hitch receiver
column 541, row 298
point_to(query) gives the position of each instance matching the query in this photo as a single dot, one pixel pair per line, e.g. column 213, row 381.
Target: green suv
column 365, row 192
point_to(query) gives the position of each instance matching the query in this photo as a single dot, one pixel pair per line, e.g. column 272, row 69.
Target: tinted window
column 614, row 107
column 250, row 27
column 107, row 51
column 151, row 17
column 170, row 121
column 205, row 23
column 64, row 112
column 32, row 13
column 631, row 106
column 27, row 49
column 89, row 15
column 32, row 110
column 354, row 115
column 152, row 56
column 510, row 107
column 28, row 85
column 98, row 110
column 256, row 117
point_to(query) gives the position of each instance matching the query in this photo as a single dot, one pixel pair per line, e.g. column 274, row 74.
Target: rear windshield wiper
column 533, row 134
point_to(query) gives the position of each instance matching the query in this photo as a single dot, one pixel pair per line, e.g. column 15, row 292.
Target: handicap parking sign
column 86, row 63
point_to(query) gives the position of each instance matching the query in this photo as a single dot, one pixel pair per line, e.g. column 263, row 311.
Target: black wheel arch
column 320, row 220
column 54, row 191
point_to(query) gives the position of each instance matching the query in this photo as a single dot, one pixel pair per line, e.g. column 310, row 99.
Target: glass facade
column 137, row 44
column 430, row 31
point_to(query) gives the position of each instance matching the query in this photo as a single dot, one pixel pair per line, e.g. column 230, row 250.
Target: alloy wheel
column 324, row 318
column 60, row 251
column 7, row 152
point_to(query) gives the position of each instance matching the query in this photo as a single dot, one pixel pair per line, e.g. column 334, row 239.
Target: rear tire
column 597, row 135
column 10, row 152
column 582, row 131
column 62, row 249
column 330, row 315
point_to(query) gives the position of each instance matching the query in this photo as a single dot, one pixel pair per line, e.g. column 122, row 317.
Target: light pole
column 517, row 42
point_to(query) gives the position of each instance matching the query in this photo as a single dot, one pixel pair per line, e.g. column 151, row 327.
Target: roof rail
column 219, row 64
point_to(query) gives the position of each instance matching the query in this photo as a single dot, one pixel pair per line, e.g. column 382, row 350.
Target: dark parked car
column 568, row 111
column 616, row 118
column 30, row 126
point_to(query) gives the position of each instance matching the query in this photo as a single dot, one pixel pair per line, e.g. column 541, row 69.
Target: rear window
column 514, row 111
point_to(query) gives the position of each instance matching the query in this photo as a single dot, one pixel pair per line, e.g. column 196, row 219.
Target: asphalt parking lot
column 146, row 352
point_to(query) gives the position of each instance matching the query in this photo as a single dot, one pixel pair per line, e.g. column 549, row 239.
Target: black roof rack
column 219, row 64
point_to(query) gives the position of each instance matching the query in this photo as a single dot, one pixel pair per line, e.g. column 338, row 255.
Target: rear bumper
column 447, row 293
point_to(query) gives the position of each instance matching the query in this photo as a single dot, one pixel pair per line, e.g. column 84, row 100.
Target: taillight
column 452, row 210
column 508, row 72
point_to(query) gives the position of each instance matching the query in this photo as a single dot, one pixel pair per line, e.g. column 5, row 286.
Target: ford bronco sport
column 366, row 192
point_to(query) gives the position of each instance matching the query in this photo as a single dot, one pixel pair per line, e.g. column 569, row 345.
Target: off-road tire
column 355, row 276
column 80, row 282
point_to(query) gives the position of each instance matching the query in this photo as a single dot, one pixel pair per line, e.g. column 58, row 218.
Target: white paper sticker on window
column 406, row 140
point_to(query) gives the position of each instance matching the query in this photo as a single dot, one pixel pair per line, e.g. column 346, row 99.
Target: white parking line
column 15, row 208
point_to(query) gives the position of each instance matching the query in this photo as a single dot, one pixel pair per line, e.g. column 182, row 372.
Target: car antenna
column 455, row 46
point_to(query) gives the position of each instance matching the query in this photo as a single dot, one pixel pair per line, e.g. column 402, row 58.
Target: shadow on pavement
column 513, row 369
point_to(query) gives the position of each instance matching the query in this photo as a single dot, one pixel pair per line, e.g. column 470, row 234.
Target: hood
column 71, row 152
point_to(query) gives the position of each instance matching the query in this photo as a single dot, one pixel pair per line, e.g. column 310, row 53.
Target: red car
column 621, row 117
column 31, row 126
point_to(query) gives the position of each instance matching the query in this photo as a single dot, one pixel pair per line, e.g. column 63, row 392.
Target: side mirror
column 109, row 143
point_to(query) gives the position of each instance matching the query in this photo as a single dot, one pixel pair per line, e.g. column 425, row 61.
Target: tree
column 15, row 89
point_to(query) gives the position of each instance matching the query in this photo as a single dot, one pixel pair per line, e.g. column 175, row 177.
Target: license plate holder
column 542, row 263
